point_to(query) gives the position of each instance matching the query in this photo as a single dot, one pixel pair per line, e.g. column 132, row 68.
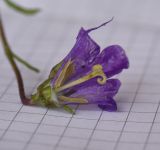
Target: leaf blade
column 25, row 63
column 21, row 9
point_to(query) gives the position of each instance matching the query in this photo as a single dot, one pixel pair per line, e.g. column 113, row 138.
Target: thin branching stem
column 10, row 57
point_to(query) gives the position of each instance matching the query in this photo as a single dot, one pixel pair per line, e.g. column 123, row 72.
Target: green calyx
column 55, row 69
column 43, row 96
column 46, row 96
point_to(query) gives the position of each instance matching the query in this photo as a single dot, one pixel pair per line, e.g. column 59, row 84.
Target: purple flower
column 84, row 76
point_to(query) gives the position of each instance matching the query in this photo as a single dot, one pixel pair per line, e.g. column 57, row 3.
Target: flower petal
column 93, row 92
column 113, row 59
column 82, row 54
column 85, row 48
column 108, row 105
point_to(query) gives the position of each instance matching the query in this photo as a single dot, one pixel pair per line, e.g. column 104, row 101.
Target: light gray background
column 46, row 38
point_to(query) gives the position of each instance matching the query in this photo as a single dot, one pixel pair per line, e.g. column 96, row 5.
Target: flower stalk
column 11, row 58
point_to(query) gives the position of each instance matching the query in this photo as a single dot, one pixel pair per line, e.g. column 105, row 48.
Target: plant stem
column 14, row 66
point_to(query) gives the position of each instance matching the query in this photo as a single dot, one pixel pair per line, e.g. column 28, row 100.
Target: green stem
column 10, row 58
column 25, row 63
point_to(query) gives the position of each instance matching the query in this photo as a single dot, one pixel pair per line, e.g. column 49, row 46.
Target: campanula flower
column 84, row 76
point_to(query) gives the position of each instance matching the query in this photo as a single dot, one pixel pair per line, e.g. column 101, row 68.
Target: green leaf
column 21, row 9
column 29, row 66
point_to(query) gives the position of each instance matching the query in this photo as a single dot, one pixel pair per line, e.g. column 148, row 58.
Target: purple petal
column 108, row 105
column 95, row 93
column 82, row 54
column 113, row 59
column 85, row 48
